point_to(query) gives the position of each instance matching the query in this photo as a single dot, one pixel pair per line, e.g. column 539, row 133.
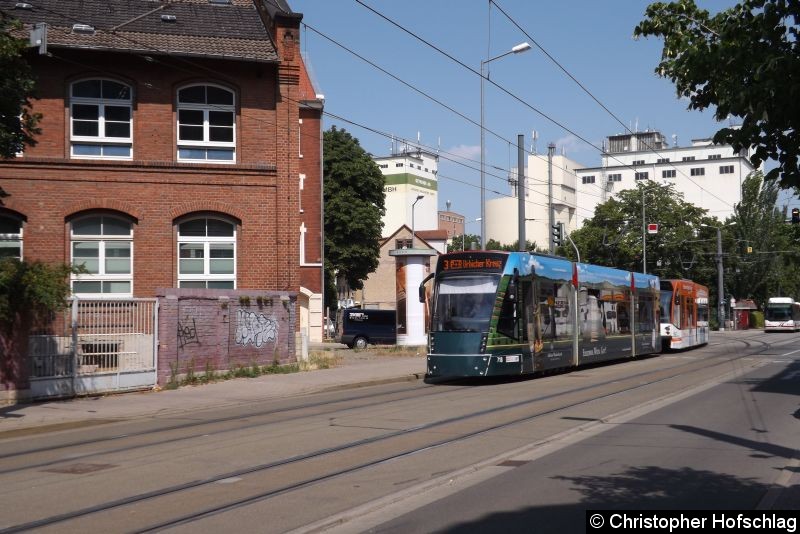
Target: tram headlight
column 484, row 337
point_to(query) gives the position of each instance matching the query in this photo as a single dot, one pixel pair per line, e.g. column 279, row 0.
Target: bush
column 756, row 319
column 32, row 291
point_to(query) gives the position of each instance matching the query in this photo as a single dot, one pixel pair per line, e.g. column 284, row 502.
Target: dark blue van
column 358, row 327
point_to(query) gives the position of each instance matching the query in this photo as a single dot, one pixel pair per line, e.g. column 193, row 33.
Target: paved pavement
column 355, row 369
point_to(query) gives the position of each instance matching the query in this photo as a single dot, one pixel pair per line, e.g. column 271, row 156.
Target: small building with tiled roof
column 380, row 288
column 180, row 151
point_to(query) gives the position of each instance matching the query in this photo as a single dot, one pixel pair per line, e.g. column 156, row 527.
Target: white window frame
column 101, row 276
column 205, row 143
column 14, row 237
column 207, row 241
column 100, row 139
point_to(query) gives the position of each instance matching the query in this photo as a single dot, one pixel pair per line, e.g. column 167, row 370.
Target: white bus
column 782, row 314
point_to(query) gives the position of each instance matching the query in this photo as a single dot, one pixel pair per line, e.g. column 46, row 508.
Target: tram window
column 507, row 322
column 677, row 313
column 646, row 313
column 555, row 319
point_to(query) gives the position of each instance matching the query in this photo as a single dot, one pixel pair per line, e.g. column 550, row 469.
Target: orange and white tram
column 684, row 314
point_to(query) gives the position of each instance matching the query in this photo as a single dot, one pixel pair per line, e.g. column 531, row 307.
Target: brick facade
column 201, row 330
column 260, row 193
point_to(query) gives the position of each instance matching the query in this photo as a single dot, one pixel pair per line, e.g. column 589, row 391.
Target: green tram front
column 474, row 308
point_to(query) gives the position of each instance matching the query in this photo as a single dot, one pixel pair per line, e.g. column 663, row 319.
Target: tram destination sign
column 486, row 262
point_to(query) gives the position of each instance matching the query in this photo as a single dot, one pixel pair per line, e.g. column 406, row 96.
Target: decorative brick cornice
column 103, row 204
column 206, row 205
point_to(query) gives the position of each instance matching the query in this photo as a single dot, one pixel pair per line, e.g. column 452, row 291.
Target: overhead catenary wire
column 514, row 96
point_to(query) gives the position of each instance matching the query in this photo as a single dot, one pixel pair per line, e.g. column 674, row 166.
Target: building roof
column 199, row 28
column 432, row 235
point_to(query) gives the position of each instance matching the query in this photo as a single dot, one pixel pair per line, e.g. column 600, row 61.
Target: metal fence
column 97, row 346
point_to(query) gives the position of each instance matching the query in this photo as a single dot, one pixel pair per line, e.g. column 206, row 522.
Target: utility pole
column 521, row 191
column 644, row 237
column 551, row 148
column 720, row 285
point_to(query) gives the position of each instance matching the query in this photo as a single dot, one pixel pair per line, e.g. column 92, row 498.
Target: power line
column 517, row 98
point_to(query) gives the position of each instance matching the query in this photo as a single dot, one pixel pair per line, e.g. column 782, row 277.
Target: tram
column 782, row 314
column 684, row 314
column 496, row 313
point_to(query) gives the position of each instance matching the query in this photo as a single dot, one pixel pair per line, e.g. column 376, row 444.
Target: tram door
column 532, row 334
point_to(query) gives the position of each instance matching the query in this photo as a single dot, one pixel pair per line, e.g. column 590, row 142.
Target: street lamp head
column 522, row 47
column 420, row 197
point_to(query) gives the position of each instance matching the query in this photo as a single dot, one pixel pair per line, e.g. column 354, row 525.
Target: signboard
column 652, row 228
column 472, row 261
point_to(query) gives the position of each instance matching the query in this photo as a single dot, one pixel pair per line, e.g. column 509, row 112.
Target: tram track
column 628, row 384
column 394, row 396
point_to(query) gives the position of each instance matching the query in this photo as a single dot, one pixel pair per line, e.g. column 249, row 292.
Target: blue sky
column 592, row 40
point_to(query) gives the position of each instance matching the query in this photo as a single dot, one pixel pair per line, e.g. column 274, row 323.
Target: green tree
column 354, row 207
column 29, row 294
column 762, row 256
column 493, row 244
column 464, row 242
column 743, row 62
column 613, row 237
column 17, row 124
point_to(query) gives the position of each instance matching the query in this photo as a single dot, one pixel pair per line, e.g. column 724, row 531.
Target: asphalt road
column 715, row 427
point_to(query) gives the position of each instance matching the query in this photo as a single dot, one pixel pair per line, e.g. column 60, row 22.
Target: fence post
column 74, row 326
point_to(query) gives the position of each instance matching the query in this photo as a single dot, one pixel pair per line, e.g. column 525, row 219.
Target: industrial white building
column 409, row 173
column 709, row 176
column 502, row 214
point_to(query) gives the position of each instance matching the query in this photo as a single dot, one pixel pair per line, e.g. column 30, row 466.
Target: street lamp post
column 419, row 197
column 522, row 47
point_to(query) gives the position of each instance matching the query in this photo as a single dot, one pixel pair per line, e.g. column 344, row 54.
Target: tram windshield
column 464, row 303
column 666, row 301
column 778, row 312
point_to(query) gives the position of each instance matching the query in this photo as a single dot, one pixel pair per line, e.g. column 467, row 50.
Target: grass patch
column 317, row 360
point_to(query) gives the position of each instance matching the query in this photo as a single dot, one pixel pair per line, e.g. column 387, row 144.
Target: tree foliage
column 31, row 291
column 354, row 207
column 17, row 124
column 743, row 62
column 613, row 237
column 762, row 251
column 464, row 242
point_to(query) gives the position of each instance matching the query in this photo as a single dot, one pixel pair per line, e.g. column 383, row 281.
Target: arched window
column 100, row 119
column 206, row 124
column 103, row 244
column 10, row 238
column 207, row 254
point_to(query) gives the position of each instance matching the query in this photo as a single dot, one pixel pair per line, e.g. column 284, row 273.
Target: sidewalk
column 360, row 369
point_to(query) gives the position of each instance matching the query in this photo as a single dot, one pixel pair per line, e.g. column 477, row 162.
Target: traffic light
column 558, row 234
column 795, row 215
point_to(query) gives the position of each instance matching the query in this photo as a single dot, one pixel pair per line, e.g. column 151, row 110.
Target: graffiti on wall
column 254, row 328
column 187, row 332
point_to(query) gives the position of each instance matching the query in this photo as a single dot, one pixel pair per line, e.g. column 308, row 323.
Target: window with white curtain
column 103, row 246
column 10, row 238
column 207, row 253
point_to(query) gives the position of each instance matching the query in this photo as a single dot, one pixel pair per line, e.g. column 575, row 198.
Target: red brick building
column 180, row 147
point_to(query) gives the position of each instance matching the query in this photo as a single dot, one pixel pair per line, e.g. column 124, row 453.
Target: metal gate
column 104, row 346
